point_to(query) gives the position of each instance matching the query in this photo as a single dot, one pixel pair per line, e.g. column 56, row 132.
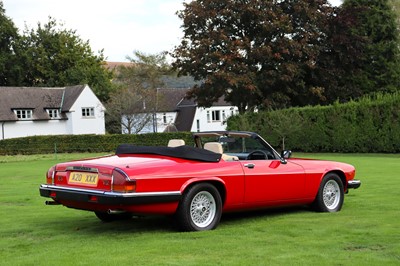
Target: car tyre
column 200, row 208
column 330, row 194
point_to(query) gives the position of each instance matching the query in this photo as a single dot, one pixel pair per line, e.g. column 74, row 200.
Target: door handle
column 249, row 165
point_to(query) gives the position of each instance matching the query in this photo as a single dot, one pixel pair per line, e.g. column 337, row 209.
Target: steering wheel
column 257, row 155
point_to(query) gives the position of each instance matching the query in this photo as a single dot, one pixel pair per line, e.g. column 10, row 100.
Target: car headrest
column 214, row 147
column 176, row 142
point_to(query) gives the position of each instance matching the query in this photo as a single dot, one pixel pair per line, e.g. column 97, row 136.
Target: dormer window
column 213, row 116
column 23, row 114
column 53, row 113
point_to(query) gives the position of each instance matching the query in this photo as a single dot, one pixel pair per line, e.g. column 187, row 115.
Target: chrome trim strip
column 113, row 194
column 143, row 194
column 112, row 181
column 355, row 183
column 82, row 168
column 122, row 172
column 53, row 175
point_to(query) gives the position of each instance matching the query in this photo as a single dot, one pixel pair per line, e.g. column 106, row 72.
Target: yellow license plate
column 83, row 178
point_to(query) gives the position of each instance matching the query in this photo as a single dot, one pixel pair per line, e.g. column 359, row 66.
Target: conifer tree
column 8, row 37
column 380, row 62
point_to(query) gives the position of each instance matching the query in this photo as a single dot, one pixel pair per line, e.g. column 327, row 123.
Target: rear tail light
column 50, row 175
column 121, row 182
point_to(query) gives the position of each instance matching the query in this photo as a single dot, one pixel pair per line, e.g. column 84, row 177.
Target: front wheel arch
column 342, row 177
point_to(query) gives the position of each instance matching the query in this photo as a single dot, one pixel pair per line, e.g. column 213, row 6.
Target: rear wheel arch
column 216, row 182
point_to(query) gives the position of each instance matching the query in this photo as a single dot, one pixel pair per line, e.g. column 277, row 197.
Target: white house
column 29, row 111
column 176, row 113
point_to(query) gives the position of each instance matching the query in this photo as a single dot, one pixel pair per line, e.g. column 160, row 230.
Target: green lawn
column 365, row 232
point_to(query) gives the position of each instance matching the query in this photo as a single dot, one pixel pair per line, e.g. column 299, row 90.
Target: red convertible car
column 224, row 172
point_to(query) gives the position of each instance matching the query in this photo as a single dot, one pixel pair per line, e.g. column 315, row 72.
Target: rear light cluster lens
column 50, row 175
column 121, row 182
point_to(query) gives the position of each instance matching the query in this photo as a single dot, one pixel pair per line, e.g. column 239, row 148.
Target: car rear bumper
column 106, row 198
column 354, row 184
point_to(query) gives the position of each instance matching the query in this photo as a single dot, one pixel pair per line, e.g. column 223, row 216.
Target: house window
column 164, row 117
column 223, row 115
column 87, row 111
column 213, row 116
column 53, row 113
column 198, row 125
column 23, row 114
column 216, row 116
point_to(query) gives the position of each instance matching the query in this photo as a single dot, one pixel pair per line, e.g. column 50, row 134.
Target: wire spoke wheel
column 331, row 194
column 202, row 209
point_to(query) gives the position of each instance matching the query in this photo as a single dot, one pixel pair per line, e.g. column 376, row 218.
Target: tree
column 53, row 56
column 285, row 124
column 396, row 6
column 338, row 68
column 136, row 102
column 380, row 63
column 8, row 37
column 146, row 69
column 252, row 52
column 127, row 109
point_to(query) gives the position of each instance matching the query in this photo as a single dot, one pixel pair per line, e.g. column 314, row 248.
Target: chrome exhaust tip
column 52, row 202
column 115, row 211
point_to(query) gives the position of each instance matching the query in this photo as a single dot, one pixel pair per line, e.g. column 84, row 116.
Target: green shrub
column 368, row 125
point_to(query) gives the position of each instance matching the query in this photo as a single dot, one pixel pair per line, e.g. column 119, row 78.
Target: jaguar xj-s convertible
column 223, row 172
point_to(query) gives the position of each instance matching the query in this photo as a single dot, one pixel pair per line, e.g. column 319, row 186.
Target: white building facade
column 213, row 118
column 26, row 111
column 177, row 113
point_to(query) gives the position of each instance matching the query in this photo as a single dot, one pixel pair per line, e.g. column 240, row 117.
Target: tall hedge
column 368, row 125
column 85, row 143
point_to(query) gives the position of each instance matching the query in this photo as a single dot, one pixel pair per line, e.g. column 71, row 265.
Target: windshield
column 242, row 146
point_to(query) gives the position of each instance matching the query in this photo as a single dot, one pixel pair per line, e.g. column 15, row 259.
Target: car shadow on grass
column 232, row 217
column 87, row 223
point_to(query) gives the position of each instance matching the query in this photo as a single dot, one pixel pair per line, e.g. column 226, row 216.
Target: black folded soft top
column 183, row 152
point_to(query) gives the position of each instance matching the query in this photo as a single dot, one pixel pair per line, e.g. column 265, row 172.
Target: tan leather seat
column 217, row 148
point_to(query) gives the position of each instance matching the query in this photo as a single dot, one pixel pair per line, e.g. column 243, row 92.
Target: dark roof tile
column 37, row 99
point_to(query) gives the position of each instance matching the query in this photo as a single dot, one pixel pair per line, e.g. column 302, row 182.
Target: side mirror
column 286, row 154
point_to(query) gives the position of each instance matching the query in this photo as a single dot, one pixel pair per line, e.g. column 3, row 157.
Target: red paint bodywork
column 269, row 183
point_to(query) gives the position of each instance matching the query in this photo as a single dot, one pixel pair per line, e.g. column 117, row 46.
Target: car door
column 272, row 180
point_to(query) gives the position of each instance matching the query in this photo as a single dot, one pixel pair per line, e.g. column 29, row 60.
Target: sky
column 117, row 26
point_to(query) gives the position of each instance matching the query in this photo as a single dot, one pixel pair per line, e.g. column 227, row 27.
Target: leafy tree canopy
column 252, row 52
column 54, row 56
column 146, row 70
column 8, row 37
column 396, row 6
column 380, row 64
column 50, row 56
column 136, row 100
column 279, row 53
